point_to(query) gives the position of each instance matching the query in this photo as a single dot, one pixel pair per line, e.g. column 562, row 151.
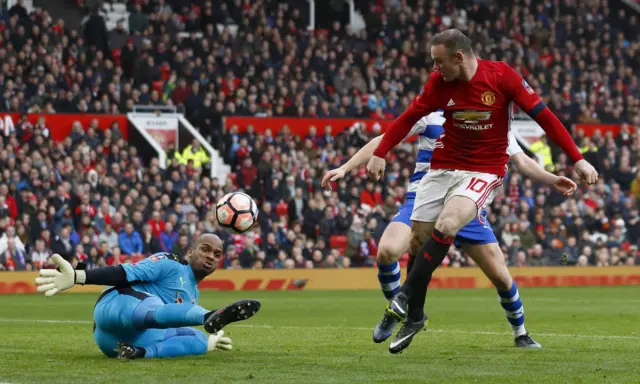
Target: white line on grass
column 264, row 326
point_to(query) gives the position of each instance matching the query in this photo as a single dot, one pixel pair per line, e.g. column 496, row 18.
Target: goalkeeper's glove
column 52, row 281
column 217, row 342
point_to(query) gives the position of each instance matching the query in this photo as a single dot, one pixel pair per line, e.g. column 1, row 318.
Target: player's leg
column 107, row 342
column 420, row 233
column 161, row 343
column 467, row 194
column 430, row 199
column 457, row 212
column 152, row 313
column 398, row 305
column 409, row 303
column 127, row 310
column 393, row 244
column 489, row 257
column 113, row 324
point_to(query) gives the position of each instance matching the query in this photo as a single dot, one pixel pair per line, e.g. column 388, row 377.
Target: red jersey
column 478, row 117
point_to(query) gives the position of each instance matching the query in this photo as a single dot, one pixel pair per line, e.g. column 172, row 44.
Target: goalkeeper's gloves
column 217, row 342
column 52, row 281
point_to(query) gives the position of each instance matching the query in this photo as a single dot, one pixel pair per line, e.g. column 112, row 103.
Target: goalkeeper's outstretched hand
column 217, row 342
column 52, row 281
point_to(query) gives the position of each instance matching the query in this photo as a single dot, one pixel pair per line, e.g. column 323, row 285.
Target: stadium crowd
column 91, row 199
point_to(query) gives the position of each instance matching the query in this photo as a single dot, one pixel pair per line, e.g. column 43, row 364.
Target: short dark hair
column 453, row 40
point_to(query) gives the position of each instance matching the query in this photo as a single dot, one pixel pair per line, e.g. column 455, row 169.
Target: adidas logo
column 450, row 103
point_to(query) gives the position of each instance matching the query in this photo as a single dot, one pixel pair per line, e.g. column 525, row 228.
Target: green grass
column 590, row 335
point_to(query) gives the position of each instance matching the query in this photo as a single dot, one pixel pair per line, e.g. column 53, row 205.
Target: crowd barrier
column 365, row 279
column 60, row 124
column 300, row 126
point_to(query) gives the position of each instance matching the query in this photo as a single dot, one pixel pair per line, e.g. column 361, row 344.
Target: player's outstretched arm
column 531, row 169
column 52, row 281
column 361, row 157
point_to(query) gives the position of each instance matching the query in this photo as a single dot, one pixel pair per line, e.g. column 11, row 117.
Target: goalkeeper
column 149, row 307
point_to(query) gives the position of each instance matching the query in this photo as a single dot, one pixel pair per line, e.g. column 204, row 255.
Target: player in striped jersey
column 477, row 237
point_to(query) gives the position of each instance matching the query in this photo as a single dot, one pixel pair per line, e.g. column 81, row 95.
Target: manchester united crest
column 488, row 98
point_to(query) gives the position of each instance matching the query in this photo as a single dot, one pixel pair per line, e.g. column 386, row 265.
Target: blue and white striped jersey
column 429, row 129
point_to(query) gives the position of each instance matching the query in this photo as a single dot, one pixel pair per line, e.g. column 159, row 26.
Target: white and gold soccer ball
column 237, row 211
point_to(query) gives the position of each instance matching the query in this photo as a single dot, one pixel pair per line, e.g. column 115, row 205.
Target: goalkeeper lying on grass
column 148, row 308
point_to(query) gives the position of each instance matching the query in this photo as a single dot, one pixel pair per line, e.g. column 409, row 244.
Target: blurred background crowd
column 92, row 199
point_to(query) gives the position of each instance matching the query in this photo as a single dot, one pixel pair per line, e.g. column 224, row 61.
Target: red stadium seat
column 338, row 241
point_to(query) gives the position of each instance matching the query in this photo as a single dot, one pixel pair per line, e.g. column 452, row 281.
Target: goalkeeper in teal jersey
column 149, row 308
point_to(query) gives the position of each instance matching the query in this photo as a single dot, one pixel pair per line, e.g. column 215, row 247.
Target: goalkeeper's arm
column 115, row 276
column 52, row 281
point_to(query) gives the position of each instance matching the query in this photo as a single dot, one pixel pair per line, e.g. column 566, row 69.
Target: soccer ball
column 237, row 211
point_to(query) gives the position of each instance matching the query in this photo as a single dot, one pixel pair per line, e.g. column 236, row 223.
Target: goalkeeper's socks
column 389, row 278
column 427, row 260
column 169, row 316
column 512, row 305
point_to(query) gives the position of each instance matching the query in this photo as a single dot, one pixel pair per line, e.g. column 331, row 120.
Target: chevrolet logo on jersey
column 472, row 116
column 470, row 119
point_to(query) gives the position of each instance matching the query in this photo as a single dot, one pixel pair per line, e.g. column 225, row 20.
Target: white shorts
column 440, row 185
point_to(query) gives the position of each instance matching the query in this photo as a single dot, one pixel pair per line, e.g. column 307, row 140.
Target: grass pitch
column 590, row 335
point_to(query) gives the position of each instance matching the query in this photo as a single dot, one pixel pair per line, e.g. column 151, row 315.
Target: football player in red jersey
column 468, row 163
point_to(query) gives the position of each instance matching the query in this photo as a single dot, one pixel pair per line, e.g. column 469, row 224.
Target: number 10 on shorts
column 477, row 185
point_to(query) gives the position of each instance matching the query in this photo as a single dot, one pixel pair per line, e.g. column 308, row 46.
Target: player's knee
column 105, row 342
column 388, row 253
column 502, row 282
column 501, row 278
column 449, row 225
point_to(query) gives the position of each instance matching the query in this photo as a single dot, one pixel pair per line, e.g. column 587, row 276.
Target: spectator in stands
column 62, row 244
column 156, row 223
column 249, row 254
column 129, row 241
column 150, row 242
column 40, row 254
column 194, row 153
column 19, row 10
column 96, row 34
column 138, row 21
column 13, row 258
column 10, row 237
column 109, row 236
